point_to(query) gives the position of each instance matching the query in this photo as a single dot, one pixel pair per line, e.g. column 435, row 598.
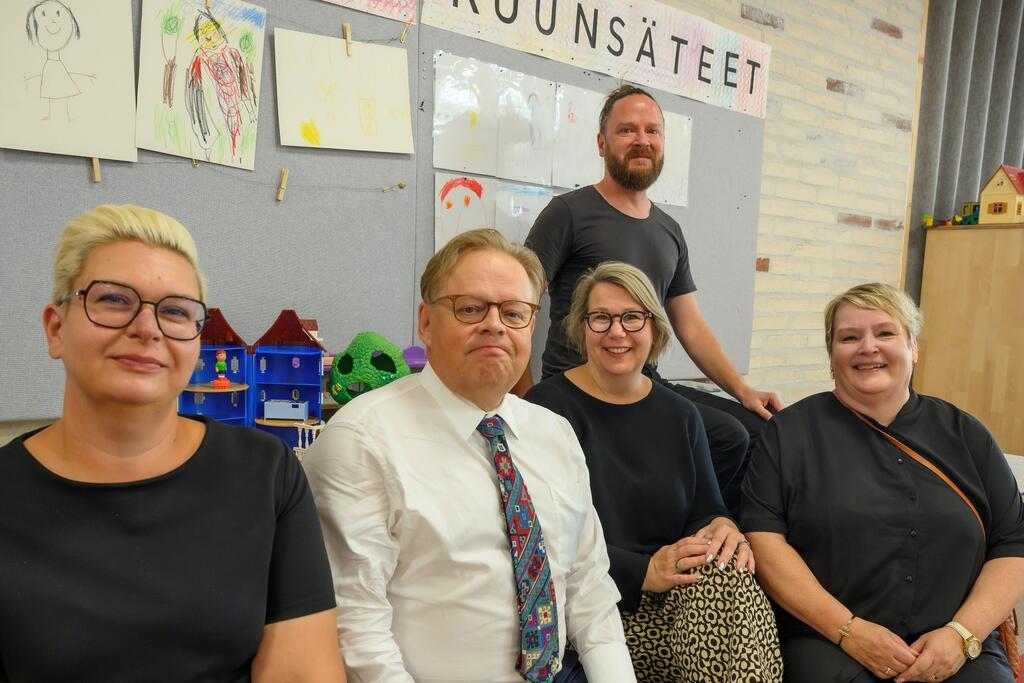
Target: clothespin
column 195, row 163
column 405, row 31
column 96, row 175
column 346, row 30
column 282, row 184
column 209, row 4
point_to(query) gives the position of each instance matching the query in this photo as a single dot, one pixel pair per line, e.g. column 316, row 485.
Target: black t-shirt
column 650, row 472
column 580, row 230
column 882, row 534
column 167, row 579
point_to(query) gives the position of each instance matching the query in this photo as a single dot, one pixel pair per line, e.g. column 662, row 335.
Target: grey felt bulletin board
column 339, row 249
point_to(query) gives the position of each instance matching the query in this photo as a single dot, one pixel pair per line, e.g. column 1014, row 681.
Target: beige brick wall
column 837, row 154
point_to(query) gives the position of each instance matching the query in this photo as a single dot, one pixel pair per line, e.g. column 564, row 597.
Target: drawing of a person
column 51, row 25
column 232, row 78
column 462, row 208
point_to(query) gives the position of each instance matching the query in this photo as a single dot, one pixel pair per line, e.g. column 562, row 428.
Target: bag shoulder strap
column 924, row 462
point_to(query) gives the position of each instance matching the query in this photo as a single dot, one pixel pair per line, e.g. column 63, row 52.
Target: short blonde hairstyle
column 108, row 223
column 442, row 262
column 637, row 285
column 877, row 297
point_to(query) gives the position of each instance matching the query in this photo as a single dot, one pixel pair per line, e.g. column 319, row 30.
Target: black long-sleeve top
column 882, row 534
column 650, row 472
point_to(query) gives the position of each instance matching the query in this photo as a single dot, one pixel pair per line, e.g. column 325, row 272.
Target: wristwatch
column 972, row 646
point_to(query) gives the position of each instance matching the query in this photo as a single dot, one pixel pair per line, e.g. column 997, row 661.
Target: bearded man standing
column 614, row 220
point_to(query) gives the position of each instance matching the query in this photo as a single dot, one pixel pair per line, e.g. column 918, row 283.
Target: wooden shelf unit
column 972, row 342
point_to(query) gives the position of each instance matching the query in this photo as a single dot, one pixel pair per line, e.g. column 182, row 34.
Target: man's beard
column 635, row 180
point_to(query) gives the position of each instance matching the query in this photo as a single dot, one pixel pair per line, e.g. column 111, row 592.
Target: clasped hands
column 718, row 542
column 935, row 656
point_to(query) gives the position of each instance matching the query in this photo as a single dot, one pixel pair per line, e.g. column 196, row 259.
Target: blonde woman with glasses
column 135, row 543
column 691, row 609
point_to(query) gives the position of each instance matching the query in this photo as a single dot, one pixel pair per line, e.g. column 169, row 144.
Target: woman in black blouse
column 853, row 504
column 137, row 544
column 674, row 552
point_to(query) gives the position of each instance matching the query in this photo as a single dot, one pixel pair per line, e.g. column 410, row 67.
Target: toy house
column 228, row 404
column 1002, row 197
column 286, row 377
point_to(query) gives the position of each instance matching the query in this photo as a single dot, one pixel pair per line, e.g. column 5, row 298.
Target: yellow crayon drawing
column 310, row 133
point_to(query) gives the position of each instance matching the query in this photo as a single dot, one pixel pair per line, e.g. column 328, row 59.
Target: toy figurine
column 221, row 366
column 928, row 219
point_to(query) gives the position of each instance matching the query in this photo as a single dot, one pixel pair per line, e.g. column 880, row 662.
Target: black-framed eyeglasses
column 471, row 309
column 114, row 305
column 631, row 321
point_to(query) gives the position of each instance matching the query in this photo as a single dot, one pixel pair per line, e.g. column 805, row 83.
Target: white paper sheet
column 526, row 118
column 577, row 112
column 327, row 99
column 465, row 114
column 516, row 208
column 67, row 78
column 461, row 203
column 199, row 79
column 673, row 185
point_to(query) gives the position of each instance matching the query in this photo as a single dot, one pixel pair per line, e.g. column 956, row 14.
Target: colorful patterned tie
column 535, row 591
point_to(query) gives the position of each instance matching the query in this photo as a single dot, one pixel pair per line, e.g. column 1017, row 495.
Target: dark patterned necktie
column 535, row 591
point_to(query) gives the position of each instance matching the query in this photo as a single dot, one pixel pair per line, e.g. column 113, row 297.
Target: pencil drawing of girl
column 51, row 24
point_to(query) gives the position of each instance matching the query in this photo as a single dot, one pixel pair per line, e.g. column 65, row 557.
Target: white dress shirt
column 412, row 517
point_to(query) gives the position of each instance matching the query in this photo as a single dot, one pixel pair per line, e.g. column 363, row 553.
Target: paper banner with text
column 400, row 10
column 642, row 41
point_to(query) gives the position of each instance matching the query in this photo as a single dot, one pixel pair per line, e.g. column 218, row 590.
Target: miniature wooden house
column 1002, row 197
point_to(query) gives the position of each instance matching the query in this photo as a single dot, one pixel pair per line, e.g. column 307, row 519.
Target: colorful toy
column 221, row 368
column 970, row 211
column 369, row 362
column 928, row 220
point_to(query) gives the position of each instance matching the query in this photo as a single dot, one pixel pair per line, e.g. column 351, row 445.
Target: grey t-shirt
column 579, row 230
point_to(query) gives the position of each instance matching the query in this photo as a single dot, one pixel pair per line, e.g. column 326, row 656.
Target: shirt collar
column 464, row 415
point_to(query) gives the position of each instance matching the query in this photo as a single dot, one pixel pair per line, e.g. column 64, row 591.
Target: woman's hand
column 723, row 540
column 879, row 650
column 942, row 655
column 668, row 566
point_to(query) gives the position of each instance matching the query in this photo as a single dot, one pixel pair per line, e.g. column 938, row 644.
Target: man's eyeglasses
column 113, row 305
column 471, row 309
column 631, row 321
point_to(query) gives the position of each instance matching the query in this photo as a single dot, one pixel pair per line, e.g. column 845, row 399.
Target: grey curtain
column 972, row 110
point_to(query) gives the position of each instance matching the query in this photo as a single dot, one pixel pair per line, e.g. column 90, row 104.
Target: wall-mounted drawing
column 326, row 98
column 199, row 77
column 577, row 112
column 461, row 203
column 526, row 117
column 67, row 80
column 516, row 208
column 673, row 185
column 465, row 114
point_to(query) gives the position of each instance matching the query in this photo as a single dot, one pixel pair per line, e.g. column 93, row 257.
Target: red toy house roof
column 288, row 330
column 217, row 331
column 1016, row 177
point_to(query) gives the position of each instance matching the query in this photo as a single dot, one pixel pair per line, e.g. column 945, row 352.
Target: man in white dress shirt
column 412, row 504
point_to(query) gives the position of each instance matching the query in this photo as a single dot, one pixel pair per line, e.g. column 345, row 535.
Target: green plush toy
column 369, row 362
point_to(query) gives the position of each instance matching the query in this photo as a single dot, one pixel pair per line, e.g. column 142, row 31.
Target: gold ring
column 743, row 542
column 676, row 565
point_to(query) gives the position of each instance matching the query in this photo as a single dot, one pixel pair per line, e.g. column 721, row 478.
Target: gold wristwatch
column 972, row 646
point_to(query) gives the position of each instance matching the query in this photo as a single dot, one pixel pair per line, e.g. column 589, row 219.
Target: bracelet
column 845, row 631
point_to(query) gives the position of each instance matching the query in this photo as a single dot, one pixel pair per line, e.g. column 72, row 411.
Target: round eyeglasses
column 631, row 321
column 470, row 309
column 113, row 305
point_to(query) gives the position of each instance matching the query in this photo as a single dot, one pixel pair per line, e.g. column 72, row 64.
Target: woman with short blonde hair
column 680, row 563
column 887, row 525
column 136, row 543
